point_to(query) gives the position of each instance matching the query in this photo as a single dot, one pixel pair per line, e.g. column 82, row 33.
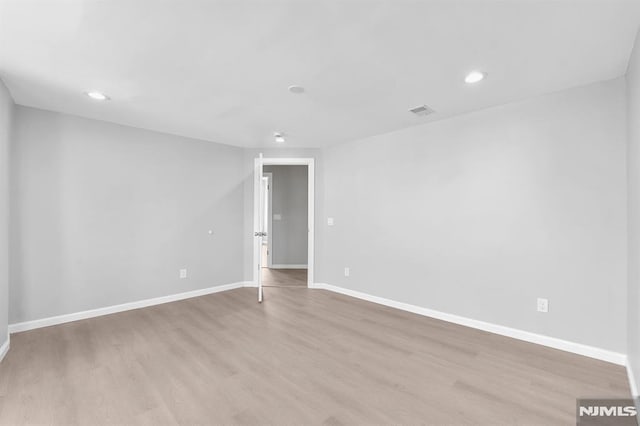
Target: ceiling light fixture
column 98, row 96
column 278, row 137
column 295, row 89
column 474, row 77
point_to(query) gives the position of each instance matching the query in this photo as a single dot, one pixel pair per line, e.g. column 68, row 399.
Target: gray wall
column 480, row 214
column 289, row 191
column 6, row 115
column 104, row 214
column 633, row 166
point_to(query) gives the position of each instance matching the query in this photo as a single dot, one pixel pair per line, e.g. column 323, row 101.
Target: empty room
column 319, row 212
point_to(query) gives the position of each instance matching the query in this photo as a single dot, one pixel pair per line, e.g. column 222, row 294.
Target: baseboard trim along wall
column 61, row 319
column 577, row 348
column 5, row 348
column 282, row 266
column 552, row 342
column 632, row 381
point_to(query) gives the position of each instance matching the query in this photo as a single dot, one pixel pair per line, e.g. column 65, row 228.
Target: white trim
column 278, row 161
column 552, row 342
column 632, row 380
column 311, row 222
column 61, row 319
column 282, row 266
column 310, row 163
column 5, row 348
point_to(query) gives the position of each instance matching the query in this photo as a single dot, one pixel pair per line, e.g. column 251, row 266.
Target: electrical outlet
column 183, row 273
column 346, row 271
column 543, row 305
column 330, row 221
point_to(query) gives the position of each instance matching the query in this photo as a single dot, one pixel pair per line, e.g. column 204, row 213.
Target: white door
column 268, row 227
column 258, row 222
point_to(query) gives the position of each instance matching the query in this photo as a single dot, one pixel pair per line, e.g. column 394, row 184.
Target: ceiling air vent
column 422, row 110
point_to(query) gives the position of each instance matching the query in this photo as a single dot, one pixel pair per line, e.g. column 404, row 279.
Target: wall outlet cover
column 183, row 273
column 543, row 305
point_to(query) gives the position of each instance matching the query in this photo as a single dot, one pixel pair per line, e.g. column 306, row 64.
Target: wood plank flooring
column 284, row 277
column 301, row 357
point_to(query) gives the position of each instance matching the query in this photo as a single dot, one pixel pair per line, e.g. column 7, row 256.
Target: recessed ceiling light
column 474, row 77
column 296, row 89
column 278, row 137
column 98, row 96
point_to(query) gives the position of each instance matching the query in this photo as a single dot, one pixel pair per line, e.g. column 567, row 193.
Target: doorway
column 283, row 218
column 284, row 248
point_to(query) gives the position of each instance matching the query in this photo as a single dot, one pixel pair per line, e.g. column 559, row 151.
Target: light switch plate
column 183, row 273
column 330, row 221
column 277, row 216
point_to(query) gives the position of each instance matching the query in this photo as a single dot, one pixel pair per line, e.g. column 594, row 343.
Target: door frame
column 310, row 163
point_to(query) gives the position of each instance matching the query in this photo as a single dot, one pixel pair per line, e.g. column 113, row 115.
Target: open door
column 258, row 222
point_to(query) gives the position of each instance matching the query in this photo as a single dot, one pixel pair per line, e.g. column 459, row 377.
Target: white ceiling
column 219, row 69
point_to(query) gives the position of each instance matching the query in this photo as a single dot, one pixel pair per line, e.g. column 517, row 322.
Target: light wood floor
column 301, row 357
column 284, row 277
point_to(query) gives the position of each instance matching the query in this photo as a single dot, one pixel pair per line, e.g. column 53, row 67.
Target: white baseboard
column 632, row 381
column 282, row 266
column 250, row 284
column 552, row 342
column 61, row 319
column 5, row 348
